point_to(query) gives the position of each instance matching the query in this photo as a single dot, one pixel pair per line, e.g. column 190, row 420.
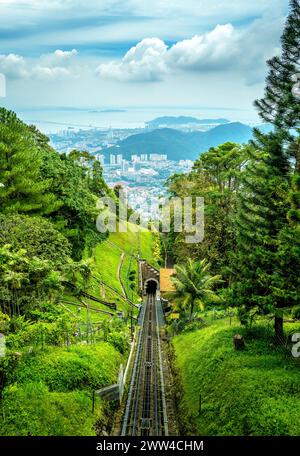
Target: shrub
column 119, row 341
column 31, row 409
column 36, row 235
column 73, row 368
column 296, row 312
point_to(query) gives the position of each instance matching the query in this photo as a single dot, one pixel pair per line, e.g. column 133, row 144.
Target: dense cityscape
column 142, row 176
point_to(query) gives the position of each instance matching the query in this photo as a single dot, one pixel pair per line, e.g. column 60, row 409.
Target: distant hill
column 180, row 145
column 183, row 120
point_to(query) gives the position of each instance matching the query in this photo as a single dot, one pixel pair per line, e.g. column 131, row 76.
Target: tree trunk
column 192, row 311
column 238, row 342
column 278, row 327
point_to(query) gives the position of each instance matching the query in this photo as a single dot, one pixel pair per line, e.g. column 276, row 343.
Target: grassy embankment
column 251, row 392
column 107, row 258
column 50, row 393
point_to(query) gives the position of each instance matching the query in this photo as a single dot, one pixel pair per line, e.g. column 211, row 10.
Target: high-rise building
column 135, row 158
column 119, row 159
column 124, row 165
column 112, row 159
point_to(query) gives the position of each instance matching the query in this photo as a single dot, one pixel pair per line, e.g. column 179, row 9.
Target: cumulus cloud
column 13, row 66
column 143, row 62
column 49, row 66
column 223, row 48
column 204, row 52
column 59, row 57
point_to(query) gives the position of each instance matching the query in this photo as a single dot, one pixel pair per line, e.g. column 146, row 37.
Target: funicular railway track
column 145, row 413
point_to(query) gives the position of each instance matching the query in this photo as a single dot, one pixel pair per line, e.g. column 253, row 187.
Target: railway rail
column 145, row 412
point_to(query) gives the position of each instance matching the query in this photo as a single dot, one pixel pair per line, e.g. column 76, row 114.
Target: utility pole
column 131, row 326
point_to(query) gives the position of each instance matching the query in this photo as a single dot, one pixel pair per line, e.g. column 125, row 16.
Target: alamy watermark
column 296, row 86
column 2, row 86
column 296, row 346
column 179, row 215
column 2, row 346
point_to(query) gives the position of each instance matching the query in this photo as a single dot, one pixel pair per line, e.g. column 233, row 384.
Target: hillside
column 180, row 145
column 251, row 392
column 118, row 253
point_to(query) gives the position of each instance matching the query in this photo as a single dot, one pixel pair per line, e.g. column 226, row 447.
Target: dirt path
column 119, row 274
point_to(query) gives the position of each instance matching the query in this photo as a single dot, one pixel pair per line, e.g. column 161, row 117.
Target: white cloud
column 50, row 73
column 49, row 67
column 13, row 66
column 205, row 52
column 143, row 62
column 59, row 57
column 225, row 48
column 62, row 55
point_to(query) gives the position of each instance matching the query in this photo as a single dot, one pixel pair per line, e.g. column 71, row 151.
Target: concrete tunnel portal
column 151, row 286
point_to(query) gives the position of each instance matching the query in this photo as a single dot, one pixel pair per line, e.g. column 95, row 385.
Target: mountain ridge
column 183, row 120
column 178, row 145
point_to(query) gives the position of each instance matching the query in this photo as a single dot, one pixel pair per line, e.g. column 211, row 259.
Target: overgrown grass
column 107, row 258
column 134, row 239
column 30, row 409
column 129, row 275
column 251, row 392
column 50, row 393
column 78, row 367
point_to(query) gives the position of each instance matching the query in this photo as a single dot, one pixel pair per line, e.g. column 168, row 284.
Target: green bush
column 119, row 341
column 39, row 334
column 36, row 235
column 68, row 369
column 296, row 312
column 50, row 393
column 31, row 409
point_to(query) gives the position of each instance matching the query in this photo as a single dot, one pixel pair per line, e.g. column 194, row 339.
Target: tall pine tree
column 22, row 188
column 262, row 208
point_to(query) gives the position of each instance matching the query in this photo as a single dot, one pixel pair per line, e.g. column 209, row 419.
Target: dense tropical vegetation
column 193, row 287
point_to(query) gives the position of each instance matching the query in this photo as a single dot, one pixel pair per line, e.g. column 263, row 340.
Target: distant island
column 183, row 120
column 106, row 110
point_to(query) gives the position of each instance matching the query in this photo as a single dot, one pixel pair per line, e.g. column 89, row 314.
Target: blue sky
column 138, row 52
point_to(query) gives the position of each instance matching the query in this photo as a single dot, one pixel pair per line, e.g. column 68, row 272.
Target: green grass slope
column 106, row 260
column 50, row 393
column 251, row 392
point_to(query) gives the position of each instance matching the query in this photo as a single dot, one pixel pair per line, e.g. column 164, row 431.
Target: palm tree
column 193, row 285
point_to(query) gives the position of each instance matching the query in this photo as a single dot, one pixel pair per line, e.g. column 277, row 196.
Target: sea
column 54, row 120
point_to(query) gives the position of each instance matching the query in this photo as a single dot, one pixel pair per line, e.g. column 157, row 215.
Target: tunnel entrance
column 151, row 287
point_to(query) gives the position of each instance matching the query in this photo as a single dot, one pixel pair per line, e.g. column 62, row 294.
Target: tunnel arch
column 151, row 285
